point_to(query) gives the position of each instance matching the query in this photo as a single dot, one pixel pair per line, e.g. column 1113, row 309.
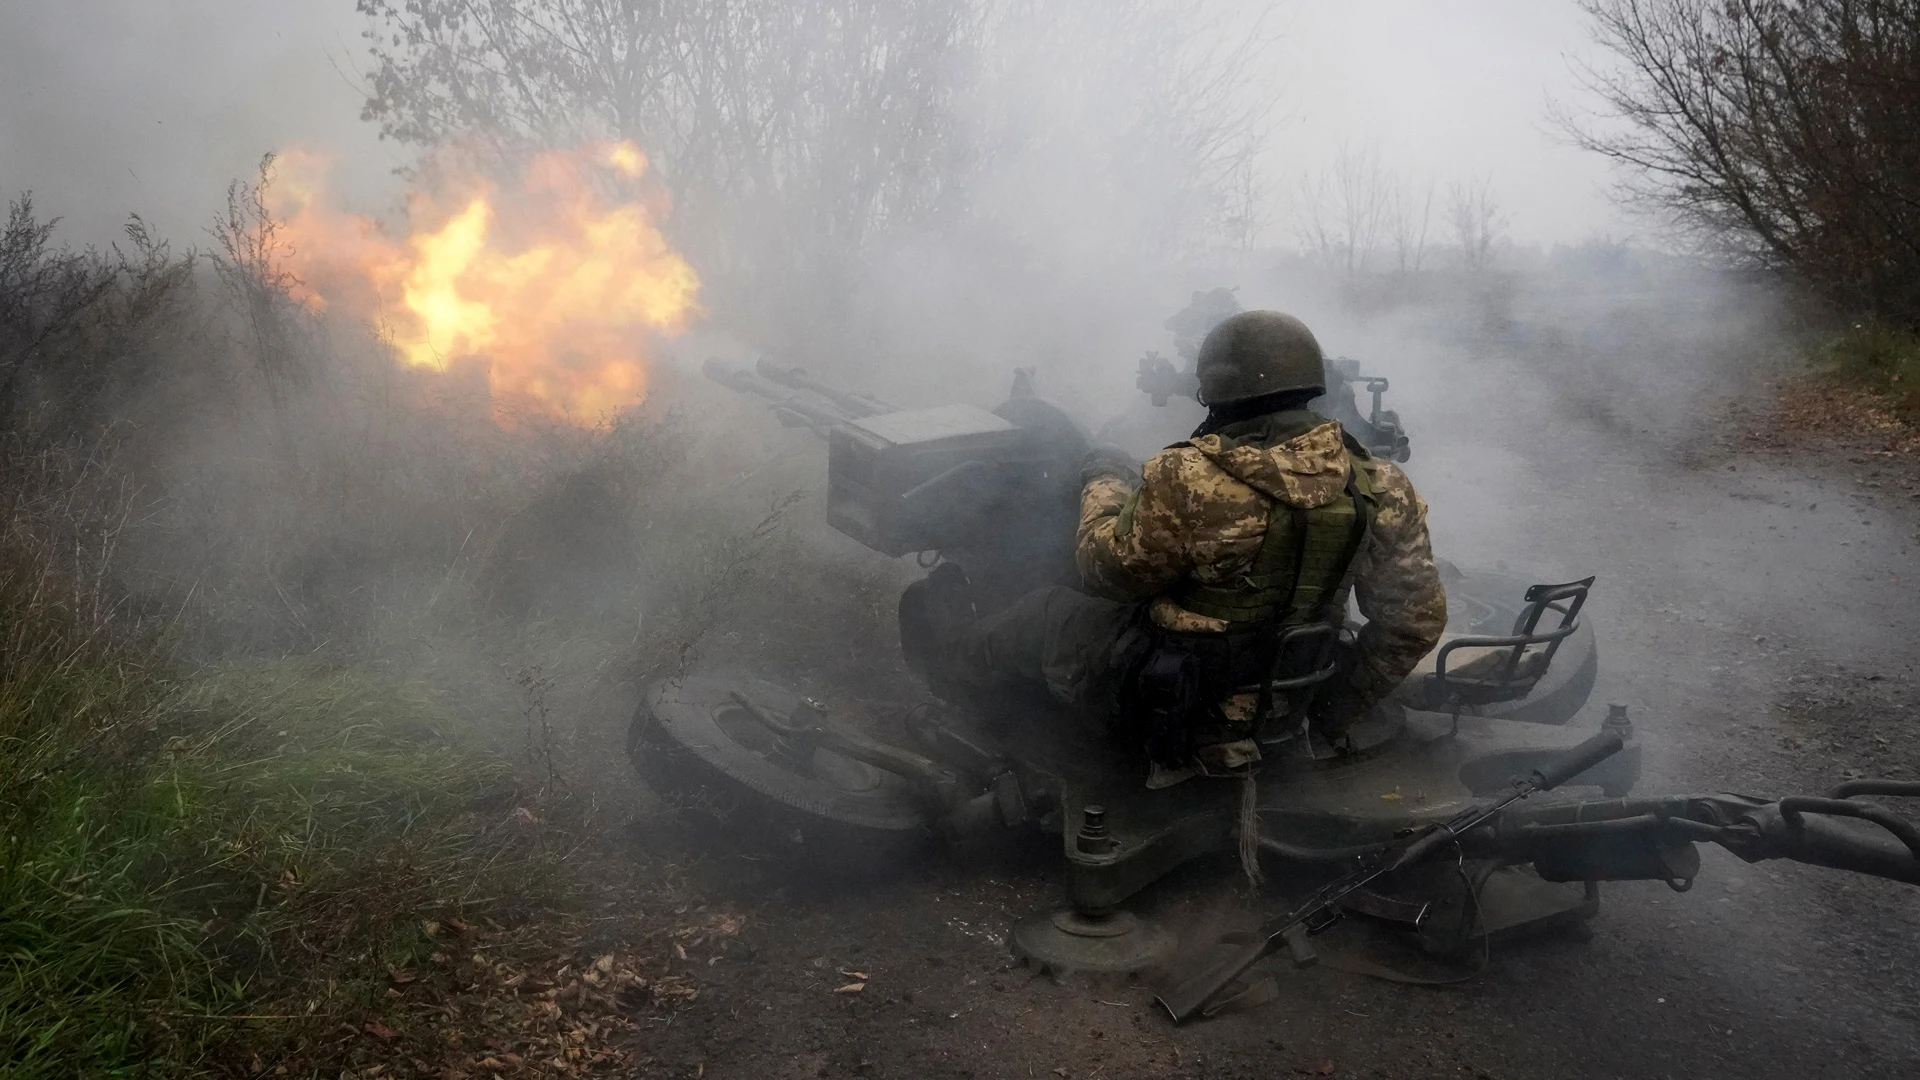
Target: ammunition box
column 922, row 479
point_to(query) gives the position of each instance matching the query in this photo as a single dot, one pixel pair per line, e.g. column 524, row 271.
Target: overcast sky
column 1448, row 89
column 152, row 106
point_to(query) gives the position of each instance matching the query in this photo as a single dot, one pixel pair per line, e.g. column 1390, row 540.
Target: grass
column 212, row 857
column 225, row 864
column 1881, row 358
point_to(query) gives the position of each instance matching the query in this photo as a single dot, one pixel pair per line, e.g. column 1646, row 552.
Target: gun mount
column 995, row 493
column 790, row 405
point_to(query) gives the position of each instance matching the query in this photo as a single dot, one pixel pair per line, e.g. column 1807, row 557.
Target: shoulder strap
column 1302, row 565
column 1365, row 503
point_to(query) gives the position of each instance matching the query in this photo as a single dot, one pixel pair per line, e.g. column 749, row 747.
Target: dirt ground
column 1756, row 609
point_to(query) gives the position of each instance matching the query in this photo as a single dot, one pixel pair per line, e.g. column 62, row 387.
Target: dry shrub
column 264, row 599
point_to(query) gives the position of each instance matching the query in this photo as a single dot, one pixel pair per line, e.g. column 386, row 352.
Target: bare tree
column 1346, row 209
column 791, row 133
column 1183, row 107
column 250, row 261
column 801, row 123
column 1410, row 221
column 1783, row 134
column 1473, row 210
column 1246, row 216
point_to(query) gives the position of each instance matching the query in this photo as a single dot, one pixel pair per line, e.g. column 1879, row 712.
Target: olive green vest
column 1300, row 573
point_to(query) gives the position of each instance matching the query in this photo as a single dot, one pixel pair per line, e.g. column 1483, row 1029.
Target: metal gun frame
column 1415, row 778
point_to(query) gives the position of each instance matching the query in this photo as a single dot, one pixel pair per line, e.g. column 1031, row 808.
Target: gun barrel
column 855, row 404
column 731, row 377
column 791, row 408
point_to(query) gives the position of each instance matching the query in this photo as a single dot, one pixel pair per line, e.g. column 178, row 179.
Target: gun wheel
column 704, row 752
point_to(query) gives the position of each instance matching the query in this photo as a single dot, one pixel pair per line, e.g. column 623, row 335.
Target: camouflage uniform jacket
column 1202, row 510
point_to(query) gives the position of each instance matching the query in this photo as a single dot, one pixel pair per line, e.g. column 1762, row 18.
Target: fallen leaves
column 536, row 1005
column 1825, row 411
column 858, row 981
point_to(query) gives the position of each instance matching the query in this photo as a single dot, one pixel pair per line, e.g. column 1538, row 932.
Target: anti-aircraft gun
column 1514, row 820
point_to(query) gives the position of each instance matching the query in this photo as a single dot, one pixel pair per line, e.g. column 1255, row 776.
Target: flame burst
column 550, row 288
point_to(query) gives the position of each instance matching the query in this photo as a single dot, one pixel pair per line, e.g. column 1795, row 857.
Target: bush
column 273, row 614
column 1881, row 358
column 1780, row 133
column 208, row 852
column 195, row 865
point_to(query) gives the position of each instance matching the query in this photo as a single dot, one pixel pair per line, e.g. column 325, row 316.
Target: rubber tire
column 747, row 799
column 1563, row 691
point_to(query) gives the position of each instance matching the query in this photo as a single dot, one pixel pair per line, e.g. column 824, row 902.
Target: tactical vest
column 1300, row 573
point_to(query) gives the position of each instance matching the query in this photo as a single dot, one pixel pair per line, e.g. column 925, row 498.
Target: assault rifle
column 1626, row 839
column 1190, row 997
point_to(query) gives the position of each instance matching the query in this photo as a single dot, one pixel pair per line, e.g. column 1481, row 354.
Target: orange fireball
column 549, row 286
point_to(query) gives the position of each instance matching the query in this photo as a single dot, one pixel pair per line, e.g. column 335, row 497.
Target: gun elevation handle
column 1577, row 760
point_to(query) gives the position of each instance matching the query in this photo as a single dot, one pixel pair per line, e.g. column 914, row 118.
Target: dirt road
column 1757, row 613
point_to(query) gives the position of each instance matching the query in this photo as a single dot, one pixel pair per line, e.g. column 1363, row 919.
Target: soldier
column 1205, row 311
column 1267, row 518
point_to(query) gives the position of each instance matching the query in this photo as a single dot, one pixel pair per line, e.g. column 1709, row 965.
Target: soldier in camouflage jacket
column 1193, row 524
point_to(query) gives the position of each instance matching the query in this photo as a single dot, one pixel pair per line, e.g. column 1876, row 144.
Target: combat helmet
column 1256, row 353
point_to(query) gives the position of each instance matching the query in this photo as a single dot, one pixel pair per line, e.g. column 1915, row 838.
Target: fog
column 1450, row 89
column 1070, row 225
column 257, row 482
column 118, row 106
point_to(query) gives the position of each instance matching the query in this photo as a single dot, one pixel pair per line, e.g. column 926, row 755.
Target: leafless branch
column 1779, row 133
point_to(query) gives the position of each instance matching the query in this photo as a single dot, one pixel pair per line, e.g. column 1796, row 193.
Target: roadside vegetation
column 1779, row 137
column 216, row 871
column 1880, row 358
column 310, row 676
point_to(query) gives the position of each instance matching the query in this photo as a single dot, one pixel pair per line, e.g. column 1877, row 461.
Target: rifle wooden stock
column 1189, row 998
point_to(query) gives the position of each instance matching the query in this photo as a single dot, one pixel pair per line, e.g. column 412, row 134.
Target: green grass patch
column 1881, row 358
column 227, row 864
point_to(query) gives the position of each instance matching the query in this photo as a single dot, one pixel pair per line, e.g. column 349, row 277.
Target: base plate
column 1067, row 941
